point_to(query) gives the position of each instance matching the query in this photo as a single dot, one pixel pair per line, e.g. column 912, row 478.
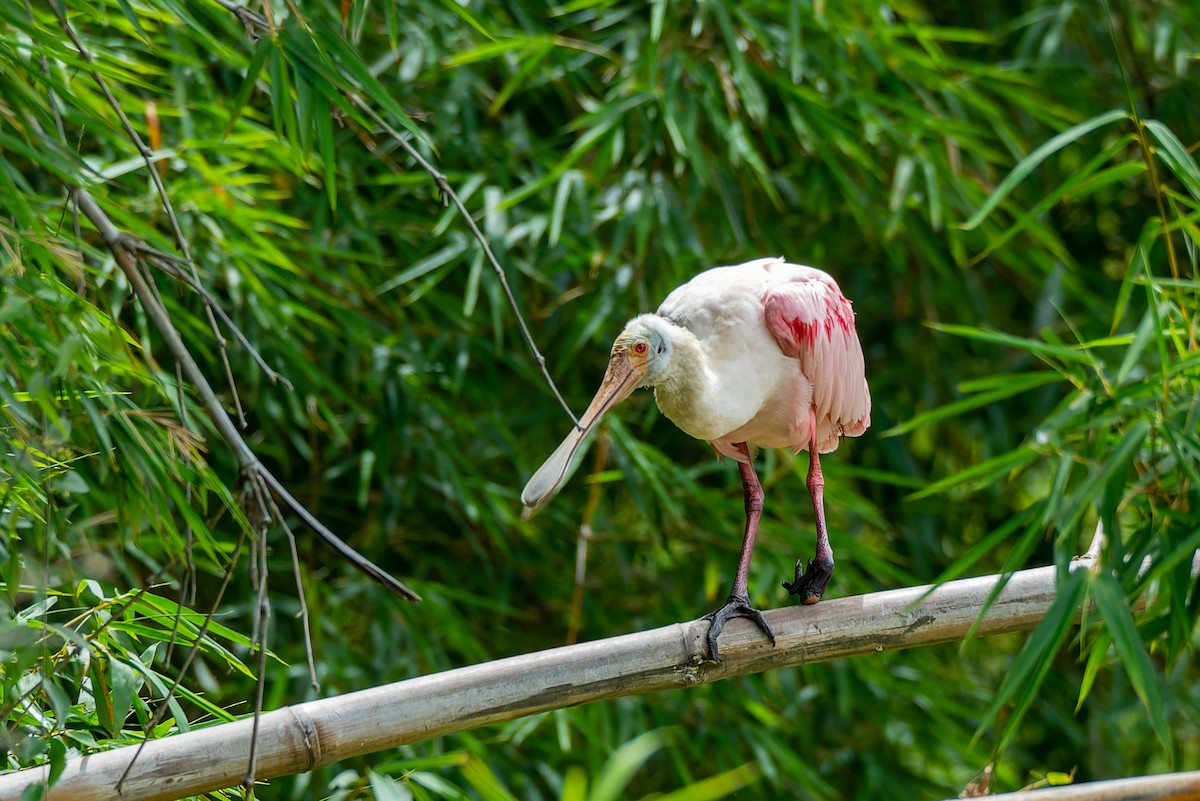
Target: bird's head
column 640, row 356
column 645, row 345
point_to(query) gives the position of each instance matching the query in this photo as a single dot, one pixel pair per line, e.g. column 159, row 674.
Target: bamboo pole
column 1163, row 787
column 300, row 738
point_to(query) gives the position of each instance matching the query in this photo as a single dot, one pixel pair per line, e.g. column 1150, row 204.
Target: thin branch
column 305, row 736
column 166, row 263
column 119, row 244
column 305, row 620
column 262, row 625
column 148, row 157
column 448, row 192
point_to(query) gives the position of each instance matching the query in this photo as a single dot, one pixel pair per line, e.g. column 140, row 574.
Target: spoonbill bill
column 758, row 355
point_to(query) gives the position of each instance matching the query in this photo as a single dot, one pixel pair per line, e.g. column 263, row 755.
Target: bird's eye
column 640, row 347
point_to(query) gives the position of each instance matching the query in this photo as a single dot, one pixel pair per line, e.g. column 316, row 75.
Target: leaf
column 1110, row 602
column 1019, row 343
column 385, row 788
column 981, row 474
column 131, row 15
column 1028, row 164
column 1176, row 156
column 102, row 695
column 619, row 768
column 253, row 70
column 484, row 781
column 1011, row 385
column 1025, row 677
column 123, row 684
column 425, row 265
column 719, row 786
column 58, row 759
column 460, row 10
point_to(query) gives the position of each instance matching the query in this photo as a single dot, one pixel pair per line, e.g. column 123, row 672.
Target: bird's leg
column 738, row 604
column 810, row 583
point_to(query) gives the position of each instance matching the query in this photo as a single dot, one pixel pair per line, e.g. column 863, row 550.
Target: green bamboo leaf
column 1141, row 339
column 985, row 546
column 1033, row 535
column 325, row 144
column 385, row 788
column 1028, row 164
column 248, row 84
column 1176, row 156
column 1097, row 656
column 102, row 695
column 1081, row 183
column 619, row 768
column 574, row 785
column 283, row 110
column 1035, row 661
column 123, row 683
column 459, row 10
column 131, row 15
column 1011, row 385
column 484, row 781
column 561, row 195
column 529, row 63
column 1110, row 602
column 496, row 48
column 1019, row 343
column 334, row 50
column 719, row 786
column 981, row 474
column 425, row 265
column 308, row 107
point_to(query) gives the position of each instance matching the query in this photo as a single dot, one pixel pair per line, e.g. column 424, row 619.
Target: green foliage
column 1009, row 193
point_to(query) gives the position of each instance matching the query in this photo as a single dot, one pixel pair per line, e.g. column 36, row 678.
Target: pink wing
column 813, row 322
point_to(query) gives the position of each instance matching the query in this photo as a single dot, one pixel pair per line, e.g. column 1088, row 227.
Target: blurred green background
column 1007, row 191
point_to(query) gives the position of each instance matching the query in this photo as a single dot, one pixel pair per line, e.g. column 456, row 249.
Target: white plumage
column 762, row 354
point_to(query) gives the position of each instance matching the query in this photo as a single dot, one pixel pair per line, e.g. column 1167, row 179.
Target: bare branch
column 166, row 263
column 305, row 622
column 119, row 244
column 148, row 157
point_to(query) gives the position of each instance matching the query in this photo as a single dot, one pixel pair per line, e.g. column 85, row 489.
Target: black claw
column 736, row 606
column 810, row 583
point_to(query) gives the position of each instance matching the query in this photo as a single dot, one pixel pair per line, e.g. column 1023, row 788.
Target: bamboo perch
column 300, row 738
column 1162, row 787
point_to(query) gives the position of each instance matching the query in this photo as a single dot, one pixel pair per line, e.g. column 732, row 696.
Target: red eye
column 640, row 347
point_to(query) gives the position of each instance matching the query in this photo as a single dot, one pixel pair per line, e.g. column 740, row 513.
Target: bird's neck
column 685, row 386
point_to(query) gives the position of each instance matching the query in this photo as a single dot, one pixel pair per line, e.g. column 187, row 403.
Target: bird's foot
column 736, row 606
column 810, row 583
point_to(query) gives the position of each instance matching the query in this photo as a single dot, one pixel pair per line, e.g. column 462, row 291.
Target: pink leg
column 738, row 604
column 810, row 584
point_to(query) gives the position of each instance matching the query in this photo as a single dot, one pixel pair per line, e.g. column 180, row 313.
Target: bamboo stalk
column 305, row 736
column 1163, row 787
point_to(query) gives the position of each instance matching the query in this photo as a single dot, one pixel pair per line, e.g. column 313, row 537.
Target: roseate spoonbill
column 763, row 354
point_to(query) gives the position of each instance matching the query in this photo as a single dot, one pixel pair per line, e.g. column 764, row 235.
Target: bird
column 757, row 355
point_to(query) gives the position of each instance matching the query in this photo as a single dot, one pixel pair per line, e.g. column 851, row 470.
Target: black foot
column 810, row 583
column 736, row 606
